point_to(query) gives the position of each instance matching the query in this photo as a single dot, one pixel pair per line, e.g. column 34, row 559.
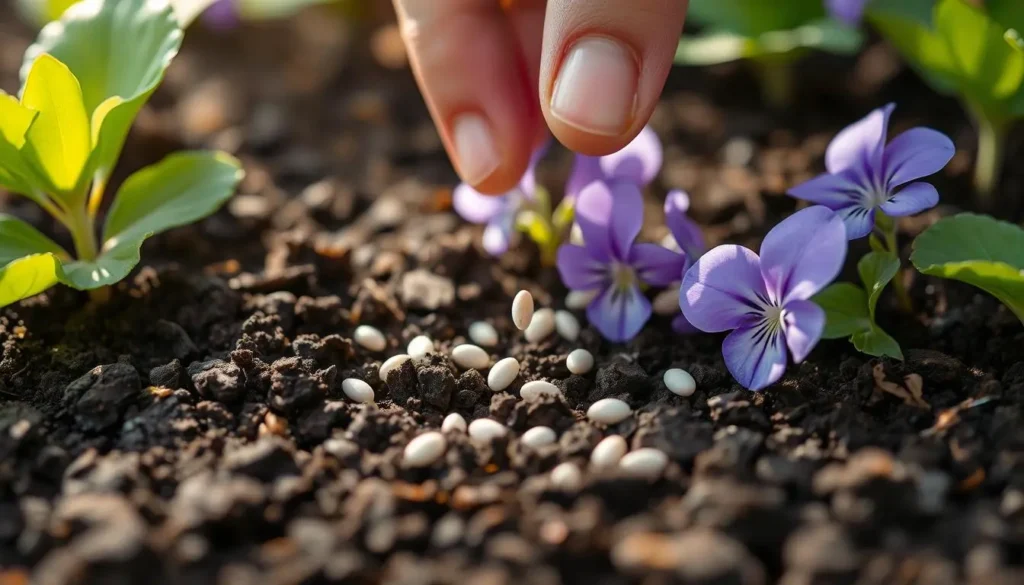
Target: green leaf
column 876, row 269
column 18, row 239
column 922, row 47
column 752, row 18
column 713, row 48
column 189, row 10
column 118, row 50
column 921, row 11
column 28, row 276
column 978, row 250
column 57, row 144
column 722, row 46
column 1008, row 13
column 846, row 310
column 564, row 215
column 877, row 343
column 533, row 225
column 15, row 120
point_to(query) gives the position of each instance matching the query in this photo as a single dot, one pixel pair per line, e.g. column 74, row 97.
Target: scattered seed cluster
column 612, row 452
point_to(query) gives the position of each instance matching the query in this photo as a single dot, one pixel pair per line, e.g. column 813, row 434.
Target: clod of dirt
column 103, row 395
column 218, row 380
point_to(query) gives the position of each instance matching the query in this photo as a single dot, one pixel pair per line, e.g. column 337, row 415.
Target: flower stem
column 81, row 227
column 99, row 186
column 889, row 228
column 989, row 164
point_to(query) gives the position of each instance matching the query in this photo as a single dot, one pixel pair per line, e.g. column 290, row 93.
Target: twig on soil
column 911, row 393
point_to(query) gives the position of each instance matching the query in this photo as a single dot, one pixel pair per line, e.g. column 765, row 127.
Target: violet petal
column 860, row 145
column 682, row 325
column 656, row 265
column 859, row 220
column 723, row 289
column 579, row 270
column 755, row 355
column 834, row 191
column 638, row 162
column 914, row 198
column 685, row 231
column 610, row 217
column 849, row 12
column 474, row 206
column 803, row 253
column 499, row 232
column 916, row 153
column 619, row 314
column 803, row 323
column 585, row 170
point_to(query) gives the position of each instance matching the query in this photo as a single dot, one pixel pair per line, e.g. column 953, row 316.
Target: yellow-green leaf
column 19, row 239
column 27, row 277
column 15, row 120
column 58, row 143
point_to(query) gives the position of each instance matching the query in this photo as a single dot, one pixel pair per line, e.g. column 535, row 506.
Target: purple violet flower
column 690, row 240
column 637, row 163
column 765, row 300
column 849, row 12
column 222, row 15
column 610, row 217
column 865, row 174
column 497, row 212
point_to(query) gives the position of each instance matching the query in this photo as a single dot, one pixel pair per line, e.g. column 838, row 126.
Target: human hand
column 497, row 74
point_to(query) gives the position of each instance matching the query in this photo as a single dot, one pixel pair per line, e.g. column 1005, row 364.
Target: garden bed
column 214, row 444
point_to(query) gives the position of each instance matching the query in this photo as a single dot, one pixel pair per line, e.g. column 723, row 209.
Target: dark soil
column 193, row 430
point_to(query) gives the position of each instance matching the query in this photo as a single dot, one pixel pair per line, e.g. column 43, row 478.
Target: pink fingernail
column 474, row 147
column 595, row 90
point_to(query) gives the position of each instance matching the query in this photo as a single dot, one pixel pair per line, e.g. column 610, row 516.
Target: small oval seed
column 567, row 325
column 538, row 437
column 357, row 390
column 485, row 429
column 609, row 411
column 646, row 462
column 483, row 334
column 370, row 338
column 470, row 357
column 502, row 374
column 608, row 452
column 537, row 388
column 666, row 302
column 579, row 361
column 424, row 450
column 679, row 382
column 567, row 477
column 542, row 325
column 392, row 363
column 453, row 423
column 522, row 309
column 578, row 300
column 420, row 346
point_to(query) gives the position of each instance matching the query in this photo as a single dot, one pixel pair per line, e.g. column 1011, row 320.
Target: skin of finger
column 650, row 28
column 466, row 58
column 527, row 19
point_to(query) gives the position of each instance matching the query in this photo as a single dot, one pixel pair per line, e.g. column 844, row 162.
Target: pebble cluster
column 612, row 452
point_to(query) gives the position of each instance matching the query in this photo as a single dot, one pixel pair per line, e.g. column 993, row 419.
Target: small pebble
column 578, row 300
column 453, row 423
column 502, row 374
column 567, row 325
column 483, row 334
column 357, row 390
column 522, row 310
column 567, row 477
column 608, row 452
column 485, row 429
column 680, row 382
column 609, row 411
column 538, row 437
column 537, row 388
column 542, row 325
column 392, row 363
column 424, row 450
column 370, row 337
column 470, row 357
column 420, row 346
column 579, row 361
column 666, row 302
column 647, row 463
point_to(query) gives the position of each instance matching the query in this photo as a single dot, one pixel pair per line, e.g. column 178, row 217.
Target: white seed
column 576, row 235
column 542, row 325
column 420, row 346
column 453, row 423
column 566, row 325
column 470, row 357
column 538, row 437
column 609, row 411
column 647, row 463
column 537, row 388
column 370, row 337
column 667, row 301
column 502, row 374
column 567, row 477
column 608, row 452
column 679, row 382
column 522, row 310
column 392, row 363
column 424, row 450
column 357, row 390
column 485, row 429
column 483, row 334
column 579, row 361
column 579, row 299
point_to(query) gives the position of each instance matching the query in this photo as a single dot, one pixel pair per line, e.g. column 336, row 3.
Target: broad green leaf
column 19, row 239
column 722, row 47
column 533, row 225
column 713, row 48
column 752, row 18
column 921, row 47
column 57, row 144
column 877, row 343
column 28, row 276
column 921, row 11
column 189, row 10
column 978, row 250
column 15, row 120
column 846, row 310
column 564, row 215
column 1009, row 13
column 116, row 48
column 182, row 188
column 41, row 12
column 268, row 9
column 111, row 267
column 876, row 269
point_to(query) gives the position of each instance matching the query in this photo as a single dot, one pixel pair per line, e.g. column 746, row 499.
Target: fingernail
column 474, row 147
column 595, row 90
